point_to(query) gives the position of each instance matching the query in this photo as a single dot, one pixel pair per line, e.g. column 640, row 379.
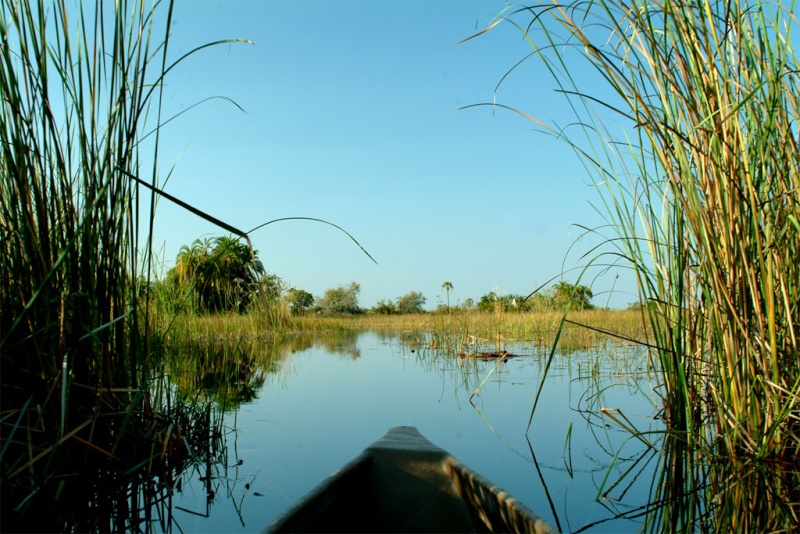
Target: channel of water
column 322, row 405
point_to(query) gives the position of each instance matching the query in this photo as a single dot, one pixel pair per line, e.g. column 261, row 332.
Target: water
column 324, row 404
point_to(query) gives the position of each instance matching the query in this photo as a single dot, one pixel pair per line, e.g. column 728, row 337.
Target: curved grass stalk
column 494, row 368
column 345, row 232
column 626, row 424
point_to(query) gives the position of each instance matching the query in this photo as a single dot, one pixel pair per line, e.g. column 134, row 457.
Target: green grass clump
column 701, row 182
column 77, row 84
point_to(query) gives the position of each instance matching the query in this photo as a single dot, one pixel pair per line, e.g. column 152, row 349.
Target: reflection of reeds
column 695, row 491
column 704, row 193
column 106, row 497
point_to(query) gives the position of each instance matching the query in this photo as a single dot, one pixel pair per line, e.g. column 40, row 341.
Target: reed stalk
column 687, row 115
column 74, row 96
column 704, row 192
column 79, row 83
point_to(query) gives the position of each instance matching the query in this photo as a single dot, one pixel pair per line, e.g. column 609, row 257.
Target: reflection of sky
column 325, row 408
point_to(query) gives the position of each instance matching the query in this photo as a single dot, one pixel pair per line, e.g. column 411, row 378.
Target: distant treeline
column 225, row 274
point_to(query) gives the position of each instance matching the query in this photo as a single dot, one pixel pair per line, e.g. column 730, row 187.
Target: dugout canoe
column 405, row 483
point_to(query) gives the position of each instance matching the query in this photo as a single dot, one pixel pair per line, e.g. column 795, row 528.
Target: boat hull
column 405, row 483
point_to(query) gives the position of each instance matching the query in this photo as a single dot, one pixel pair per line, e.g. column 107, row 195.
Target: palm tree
column 448, row 287
column 579, row 296
column 224, row 272
column 234, row 273
column 190, row 261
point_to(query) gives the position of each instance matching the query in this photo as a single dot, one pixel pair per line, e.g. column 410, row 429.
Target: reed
column 78, row 83
column 702, row 185
column 586, row 329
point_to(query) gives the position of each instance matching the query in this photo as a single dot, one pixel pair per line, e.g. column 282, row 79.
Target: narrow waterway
column 322, row 405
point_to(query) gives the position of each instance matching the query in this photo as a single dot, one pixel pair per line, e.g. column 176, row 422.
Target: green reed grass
column 690, row 127
column 703, row 192
column 79, row 83
column 71, row 114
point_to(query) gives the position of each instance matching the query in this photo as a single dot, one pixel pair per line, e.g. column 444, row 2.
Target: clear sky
column 352, row 116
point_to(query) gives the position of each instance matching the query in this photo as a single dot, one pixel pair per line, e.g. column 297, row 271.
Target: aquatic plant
column 81, row 91
column 701, row 183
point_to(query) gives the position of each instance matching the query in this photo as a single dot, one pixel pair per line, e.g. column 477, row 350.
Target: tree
column 341, row 299
column 488, row 301
column 300, row 301
column 636, row 305
column 448, row 287
column 272, row 287
column 385, row 307
column 577, row 296
column 506, row 303
column 583, row 297
column 411, row 302
column 539, row 301
column 232, row 275
column 223, row 272
column 190, row 262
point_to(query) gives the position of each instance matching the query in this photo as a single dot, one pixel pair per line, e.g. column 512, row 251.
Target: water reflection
column 125, row 469
column 273, row 419
column 227, row 374
column 343, row 344
column 120, row 472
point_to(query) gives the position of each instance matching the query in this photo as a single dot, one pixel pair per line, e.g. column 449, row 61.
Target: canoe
column 405, row 483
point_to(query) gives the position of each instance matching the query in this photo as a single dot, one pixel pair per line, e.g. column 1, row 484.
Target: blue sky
column 352, row 116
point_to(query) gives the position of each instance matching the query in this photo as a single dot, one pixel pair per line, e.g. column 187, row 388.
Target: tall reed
column 703, row 190
column 78, row 82
column 73, row 102
column 701, row 181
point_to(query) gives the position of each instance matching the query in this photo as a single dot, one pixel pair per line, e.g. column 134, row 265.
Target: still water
column 323, row 403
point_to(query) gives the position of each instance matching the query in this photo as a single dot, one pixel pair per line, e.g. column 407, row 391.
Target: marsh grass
column 712, row 174
column 81, row 88
column 702, row 189
column 454, row 332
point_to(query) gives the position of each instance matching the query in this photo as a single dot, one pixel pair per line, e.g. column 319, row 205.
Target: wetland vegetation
column 689, row 128
column 116, row 384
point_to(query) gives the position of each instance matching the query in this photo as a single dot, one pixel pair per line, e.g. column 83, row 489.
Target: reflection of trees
column 227, row 372
column 341, row 343
column 230, row 372
column 298, row 343
column 231, row 384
